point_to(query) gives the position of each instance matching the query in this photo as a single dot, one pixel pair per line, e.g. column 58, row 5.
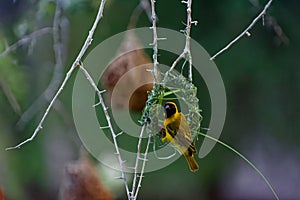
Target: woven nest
column 178, row 89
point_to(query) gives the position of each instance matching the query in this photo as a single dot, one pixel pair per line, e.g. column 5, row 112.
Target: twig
column 138, row 154
column 272, row 23
column 135, row 189
column 143, row 167
column 10, row 97
column 246, row 31
column 186, row 53
column 57, row 72
column 181, row 56
column 187, row 36
column 155, row 39
column 68, row 75
column 114, row 135
column 26, row 39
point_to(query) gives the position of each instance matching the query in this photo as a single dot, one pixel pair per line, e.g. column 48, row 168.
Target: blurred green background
column 261, row 74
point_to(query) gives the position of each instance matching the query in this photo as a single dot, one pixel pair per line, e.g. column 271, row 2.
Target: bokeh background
column 261, row 74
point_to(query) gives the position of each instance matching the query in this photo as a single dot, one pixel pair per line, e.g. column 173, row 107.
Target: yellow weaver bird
column 177, row 131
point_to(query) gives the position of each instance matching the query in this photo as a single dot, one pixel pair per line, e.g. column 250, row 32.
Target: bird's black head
column 170, row 109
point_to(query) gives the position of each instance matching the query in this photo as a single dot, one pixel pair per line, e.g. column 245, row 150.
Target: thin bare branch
column 143, row 167
column 271, row 22
column 155, row 48
column 112, row 131
column 57, row 76
column 137, row 182
column 187, row 48
column 26, row 39
column 246, row 31
column 68, row 75
column 180, row 57
column 138, row 154
column 186, row 53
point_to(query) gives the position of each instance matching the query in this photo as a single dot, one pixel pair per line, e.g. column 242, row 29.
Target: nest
column 176, row 88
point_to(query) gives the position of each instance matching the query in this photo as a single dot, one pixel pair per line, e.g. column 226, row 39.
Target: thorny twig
column 143, row 166
column 134, row 192
column 136, row 185
column 186, row 53
column 155, row 39
column 114, row 135
column 68, row 75
column 26, row 39
column 57, row 72
column 246, row 31
column 272, row 23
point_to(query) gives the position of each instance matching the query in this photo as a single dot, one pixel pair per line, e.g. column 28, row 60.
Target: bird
column 177, row 132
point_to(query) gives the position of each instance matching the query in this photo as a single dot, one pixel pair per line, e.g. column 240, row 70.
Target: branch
column 143, row 167
column 57, row 72
column 186, row 53
column 135, row 189
column 187, row 48
column 26, row 39
column 272, row 23
column 138, row 155
column 114, row 135
column 246, row 31
column 68, row 75
column 155, row 39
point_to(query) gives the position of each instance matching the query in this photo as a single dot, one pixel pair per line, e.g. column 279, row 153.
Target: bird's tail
column 192, row 162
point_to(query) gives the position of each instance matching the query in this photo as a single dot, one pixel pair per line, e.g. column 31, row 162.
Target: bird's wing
column 172, row 129
column 185, row 136
column 185, row 129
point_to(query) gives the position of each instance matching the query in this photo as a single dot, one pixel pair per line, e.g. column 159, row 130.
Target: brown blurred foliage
column 130, row 56
column 81, row 181
column 1, row 194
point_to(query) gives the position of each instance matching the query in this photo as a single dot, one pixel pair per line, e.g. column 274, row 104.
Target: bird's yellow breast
column 174, row 119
